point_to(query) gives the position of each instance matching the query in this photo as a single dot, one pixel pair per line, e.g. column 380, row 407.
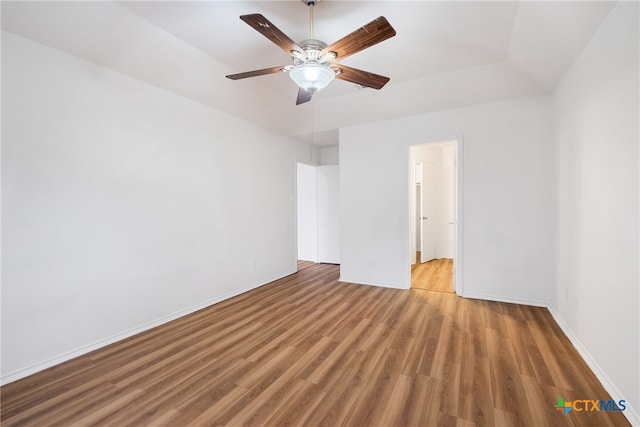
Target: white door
column 449, row 198
column 307, row 188
column 328, row 214
column 428, row 212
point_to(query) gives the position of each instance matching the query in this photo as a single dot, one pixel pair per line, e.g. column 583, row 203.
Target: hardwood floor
column 308, row 350
column 434, row 275
column 302, row 264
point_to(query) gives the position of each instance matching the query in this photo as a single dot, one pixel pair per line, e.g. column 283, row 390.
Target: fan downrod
column 311, row 4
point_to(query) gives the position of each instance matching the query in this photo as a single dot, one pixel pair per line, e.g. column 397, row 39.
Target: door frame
column 458, row 258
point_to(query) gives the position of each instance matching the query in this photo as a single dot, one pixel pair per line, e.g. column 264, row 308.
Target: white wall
column 508, row 224
column 329, row 156
column 307, row 200
column 596, row 132
column 124, row 206
column 306, row 153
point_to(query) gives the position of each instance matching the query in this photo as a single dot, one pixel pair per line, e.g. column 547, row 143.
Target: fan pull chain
column 311, row 132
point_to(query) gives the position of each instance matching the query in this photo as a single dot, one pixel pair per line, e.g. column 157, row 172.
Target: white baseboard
column 367, row 283
column 64, row 357
column 498, row 298
column 631, row 411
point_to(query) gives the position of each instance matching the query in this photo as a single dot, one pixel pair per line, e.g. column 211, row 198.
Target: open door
column 307, row 212
column 428, row 213
column 329, row 214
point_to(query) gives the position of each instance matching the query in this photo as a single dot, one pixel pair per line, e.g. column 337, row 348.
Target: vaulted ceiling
column 446, row 54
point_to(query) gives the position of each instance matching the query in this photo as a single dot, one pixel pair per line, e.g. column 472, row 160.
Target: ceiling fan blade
column 270, row 31
column 304, row 96
column 255, row 73
column 373, row 33
column 363, row 78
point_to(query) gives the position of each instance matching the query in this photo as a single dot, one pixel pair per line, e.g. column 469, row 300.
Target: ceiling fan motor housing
column 312, row 48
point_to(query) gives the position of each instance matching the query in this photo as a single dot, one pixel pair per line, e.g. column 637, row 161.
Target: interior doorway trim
column 458, row 256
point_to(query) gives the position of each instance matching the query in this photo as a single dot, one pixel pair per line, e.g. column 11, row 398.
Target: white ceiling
column 446, row 54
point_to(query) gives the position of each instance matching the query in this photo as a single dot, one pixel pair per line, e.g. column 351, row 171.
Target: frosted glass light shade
column 312, row 76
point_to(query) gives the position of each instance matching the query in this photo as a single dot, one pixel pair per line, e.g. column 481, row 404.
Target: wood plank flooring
column 302, row 264
column 434, row 275
column 308, row 350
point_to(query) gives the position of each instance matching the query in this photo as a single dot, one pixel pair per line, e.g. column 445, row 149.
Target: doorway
column 307, row 215
column 434, row 196
column 318, row 215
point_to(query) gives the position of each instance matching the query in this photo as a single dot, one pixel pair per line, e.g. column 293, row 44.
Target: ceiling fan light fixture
column 314, row 64
column 312, row 76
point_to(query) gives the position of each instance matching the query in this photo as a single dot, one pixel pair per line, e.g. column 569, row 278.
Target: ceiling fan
column 314, row 62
